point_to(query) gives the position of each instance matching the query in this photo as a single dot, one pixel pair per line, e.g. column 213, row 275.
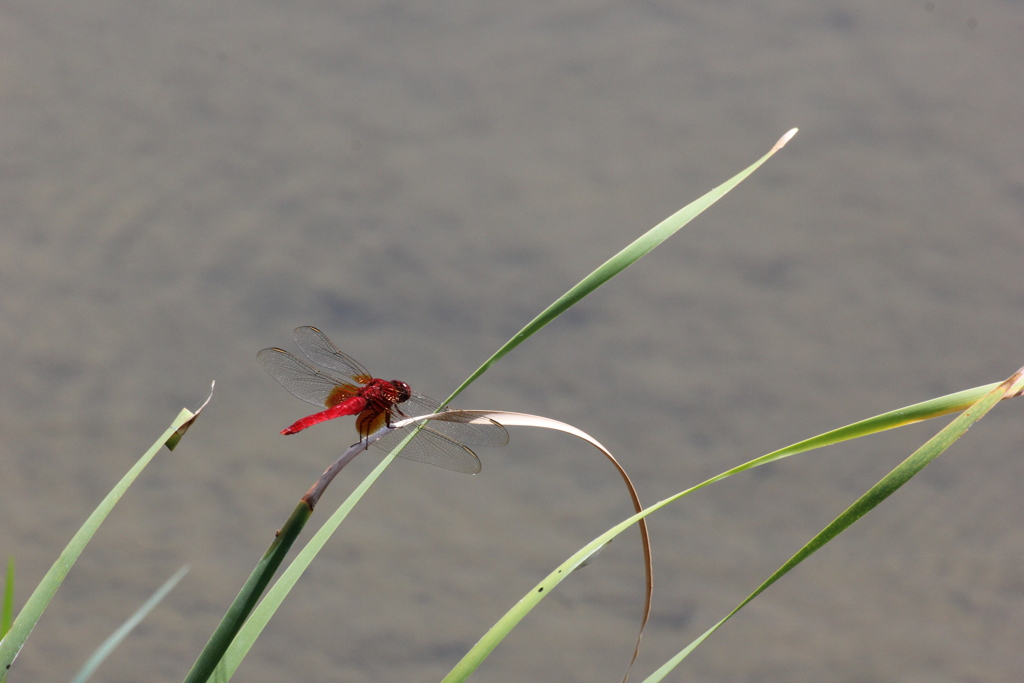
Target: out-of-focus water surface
column 183, row 183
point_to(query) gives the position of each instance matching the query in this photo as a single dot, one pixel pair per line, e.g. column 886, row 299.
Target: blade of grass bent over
column 915, row 413
column 468, row 665
column 616, row 264
column 12, row 643
column 875, row 495
column 276, row 595
column 519, row 419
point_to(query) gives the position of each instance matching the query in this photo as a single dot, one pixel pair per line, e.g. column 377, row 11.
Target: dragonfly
column 376, row 403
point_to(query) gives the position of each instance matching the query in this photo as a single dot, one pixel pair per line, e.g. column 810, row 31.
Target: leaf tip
column 172, row 442
column 784, row 139
column 1015, row 384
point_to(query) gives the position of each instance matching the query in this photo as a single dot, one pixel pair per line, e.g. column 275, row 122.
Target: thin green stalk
column 8, row 612
column 37, row 603
column 122, row 631
column 247, row 598
column 632, row 253
column 867, row 502
column 917, row 412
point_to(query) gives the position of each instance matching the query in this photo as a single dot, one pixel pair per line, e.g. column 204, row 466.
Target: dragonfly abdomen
column 349, row 406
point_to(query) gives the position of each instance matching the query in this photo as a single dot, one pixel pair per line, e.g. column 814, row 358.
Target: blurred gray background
column 183, row 183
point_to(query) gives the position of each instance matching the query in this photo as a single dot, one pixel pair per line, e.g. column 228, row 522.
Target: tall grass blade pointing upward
column 602, row 274
column 876, row 494
column 616, row 264
column 26, row 620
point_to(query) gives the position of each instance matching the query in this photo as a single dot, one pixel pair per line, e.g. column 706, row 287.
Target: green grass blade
column 616, row 264
column 896, row 418
column 8, row 612
column 209, row 659
column 643, row 245
column 242, row 643
column 44, row 592
column 901, row 417
column 115, row 638
column 875, row 495
column 490, row 640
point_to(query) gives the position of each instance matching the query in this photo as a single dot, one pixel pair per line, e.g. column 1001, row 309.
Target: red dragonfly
column 375, row 402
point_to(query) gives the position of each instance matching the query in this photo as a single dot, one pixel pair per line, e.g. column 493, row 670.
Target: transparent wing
column 492, row 434
column 433, row 448
column 302, row 380
column 322, row 351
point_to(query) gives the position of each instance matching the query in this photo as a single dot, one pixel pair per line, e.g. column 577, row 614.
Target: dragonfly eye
column 404, row 390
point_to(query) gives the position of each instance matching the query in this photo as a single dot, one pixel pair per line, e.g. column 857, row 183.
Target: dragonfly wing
column 322, row 351
column 487, row 434
column 303, row 380
column 433, row 448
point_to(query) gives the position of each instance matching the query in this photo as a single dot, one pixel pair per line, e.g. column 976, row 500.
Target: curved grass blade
column 12, row 643
column 616, row 264
column 237, row 650
column 276, row 595
column 875, row 495
column 115, row 638
column 490, row 640
column 895, row 418
column 509, row 419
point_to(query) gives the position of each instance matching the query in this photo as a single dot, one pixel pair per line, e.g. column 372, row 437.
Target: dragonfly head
column 404, row 390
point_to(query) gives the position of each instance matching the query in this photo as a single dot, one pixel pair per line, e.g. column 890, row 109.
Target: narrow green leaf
column 875, row 495
column 12, row 643
column 901, row 417
column 910, row 414
column 616, row 264
column 8, row 615
column 243, row 642
column 115, row 638
column 210, row 658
